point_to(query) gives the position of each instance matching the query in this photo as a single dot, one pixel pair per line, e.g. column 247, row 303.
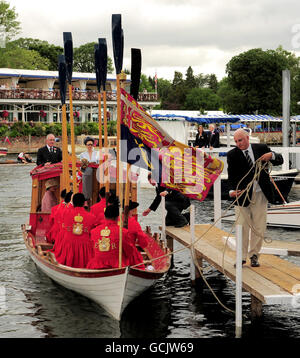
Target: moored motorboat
column 285, row 215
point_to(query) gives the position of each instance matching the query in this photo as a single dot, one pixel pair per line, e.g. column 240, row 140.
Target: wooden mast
column 118, row 44
column 62, row 70
column 68, row 48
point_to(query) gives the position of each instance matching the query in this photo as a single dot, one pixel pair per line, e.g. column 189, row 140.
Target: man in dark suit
column 251, row 194
column 49, row 154
column 175, row 204
column 213, row 137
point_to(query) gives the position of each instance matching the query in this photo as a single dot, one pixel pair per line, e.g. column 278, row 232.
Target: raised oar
column 68, row 47
column 98, row 82
column 62, row 70
column 136, row 67
column 118, row 44
column 102, row 45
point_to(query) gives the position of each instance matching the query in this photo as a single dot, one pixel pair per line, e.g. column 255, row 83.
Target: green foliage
column 84, row 59
column 202, row 99
column 255, row 81
column 8, row 20
column 45, row 50
column 20, row 58
column 20, row 129
column 4, row 130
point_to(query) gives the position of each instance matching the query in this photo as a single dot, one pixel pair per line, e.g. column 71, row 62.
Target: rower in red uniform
column 57, row 232
column 76, row 247
column 135, row 232
column 52, row 232
column 106, row 242
column 98, row 209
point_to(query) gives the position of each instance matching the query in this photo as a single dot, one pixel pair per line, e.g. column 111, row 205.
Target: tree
column 190, row 81
column 212, row 82
column 8, row 20
column 20, row 58
column 84, row 59
column 202, row 99
column 255, row 79
column 46, row 50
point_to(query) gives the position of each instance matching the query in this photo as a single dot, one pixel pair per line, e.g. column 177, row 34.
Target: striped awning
column 223, row 118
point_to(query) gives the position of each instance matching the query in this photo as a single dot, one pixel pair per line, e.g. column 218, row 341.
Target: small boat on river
column 3, row 151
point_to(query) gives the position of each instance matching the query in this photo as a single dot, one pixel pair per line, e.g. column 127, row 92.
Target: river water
column 31, row 305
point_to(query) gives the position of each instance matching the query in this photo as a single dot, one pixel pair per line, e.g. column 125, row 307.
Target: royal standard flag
column 185, row 169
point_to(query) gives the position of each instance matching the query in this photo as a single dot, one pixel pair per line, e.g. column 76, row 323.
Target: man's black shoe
column 254, row 261
column 243, row 263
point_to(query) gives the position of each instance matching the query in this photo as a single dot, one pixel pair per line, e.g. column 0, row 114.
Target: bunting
column 185, row 169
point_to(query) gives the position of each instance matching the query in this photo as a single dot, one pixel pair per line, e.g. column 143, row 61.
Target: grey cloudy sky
column 172, row 34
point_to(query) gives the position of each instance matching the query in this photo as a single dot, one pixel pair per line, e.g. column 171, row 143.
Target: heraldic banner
column 188, row 170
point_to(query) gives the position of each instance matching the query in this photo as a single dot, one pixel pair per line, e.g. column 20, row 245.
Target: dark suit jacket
column 214, row 139
column 238, row 167
column 172, row 196
column 44, row 156
column 201, row 141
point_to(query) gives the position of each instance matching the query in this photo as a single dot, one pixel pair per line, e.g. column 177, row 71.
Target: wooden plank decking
column 274, row 282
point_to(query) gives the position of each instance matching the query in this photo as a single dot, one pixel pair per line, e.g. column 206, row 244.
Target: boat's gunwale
column 89, row 273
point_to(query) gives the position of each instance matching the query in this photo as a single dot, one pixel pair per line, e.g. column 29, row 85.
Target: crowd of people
column 90, row 239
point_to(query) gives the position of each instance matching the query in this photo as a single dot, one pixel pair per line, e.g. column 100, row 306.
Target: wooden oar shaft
column 100, row 137
column 66, row 181
column 74, row 172
column 106, row 167
column 118, row 134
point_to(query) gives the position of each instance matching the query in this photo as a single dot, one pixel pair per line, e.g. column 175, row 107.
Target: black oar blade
column 118, row 42
column 103, row 61
column 136, row 67
column 97, row 68
column 68, row 47
column 62, row 73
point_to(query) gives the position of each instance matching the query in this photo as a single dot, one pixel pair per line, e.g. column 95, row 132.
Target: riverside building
column 34, row 96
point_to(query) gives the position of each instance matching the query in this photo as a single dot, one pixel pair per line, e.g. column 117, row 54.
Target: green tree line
column 20, row 129
column 253, row 81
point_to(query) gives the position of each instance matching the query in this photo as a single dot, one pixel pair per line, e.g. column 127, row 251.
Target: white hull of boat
column 113, row 289
column 286, row 216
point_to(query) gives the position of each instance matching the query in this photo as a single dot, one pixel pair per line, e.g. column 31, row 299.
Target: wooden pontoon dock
column 276, row 281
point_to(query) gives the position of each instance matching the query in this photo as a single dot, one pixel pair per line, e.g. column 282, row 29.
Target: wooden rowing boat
column 112, row 289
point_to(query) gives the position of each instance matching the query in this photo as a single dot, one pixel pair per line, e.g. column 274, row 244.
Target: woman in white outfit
column 87, row 157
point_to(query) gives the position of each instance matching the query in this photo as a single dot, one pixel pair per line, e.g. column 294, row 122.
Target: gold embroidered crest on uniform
column 78, row 226
column 104, row 242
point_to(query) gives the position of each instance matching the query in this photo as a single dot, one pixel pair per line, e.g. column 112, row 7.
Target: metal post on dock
column 238, row 282
column 192, row 231
column 286, row 100
column 217, row 202
column 163, row 224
